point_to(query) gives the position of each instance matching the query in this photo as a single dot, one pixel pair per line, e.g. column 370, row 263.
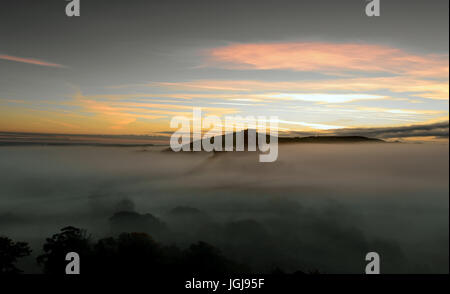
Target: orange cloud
column 118, row 115
column 328, row 57
column 29, row 61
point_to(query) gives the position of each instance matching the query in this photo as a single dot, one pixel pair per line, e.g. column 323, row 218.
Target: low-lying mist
column 318, row 207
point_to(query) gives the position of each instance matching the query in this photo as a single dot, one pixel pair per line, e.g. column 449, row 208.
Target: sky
column 129, row 67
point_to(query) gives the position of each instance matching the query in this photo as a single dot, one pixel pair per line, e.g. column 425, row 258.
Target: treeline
column 128, row 253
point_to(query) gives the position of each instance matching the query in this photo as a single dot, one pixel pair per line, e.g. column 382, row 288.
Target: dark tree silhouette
column 10, row 251
column 132, row 253
column 206, row 260
column 70, row 239
column 135, row 253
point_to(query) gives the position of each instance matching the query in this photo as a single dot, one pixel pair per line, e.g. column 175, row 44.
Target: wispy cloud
column 324, row 98
column 119, row 114
column 424, row 88
column 328, row 57
column 30, row 61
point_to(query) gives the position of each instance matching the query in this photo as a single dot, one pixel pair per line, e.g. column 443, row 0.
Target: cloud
column 430, row 130
column 310, row 125
column 328, row 57
column 327, row 98
column 30, row 61
column 119, row 115
column 424, row 88
column 400, row 111
column 141, row 109
column 438, row 130
column 318, row 207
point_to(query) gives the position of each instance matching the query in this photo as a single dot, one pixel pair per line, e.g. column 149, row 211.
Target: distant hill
column 290, row 140
column 329, row 139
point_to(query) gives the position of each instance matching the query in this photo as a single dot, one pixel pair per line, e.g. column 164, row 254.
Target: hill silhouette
column 285, row 140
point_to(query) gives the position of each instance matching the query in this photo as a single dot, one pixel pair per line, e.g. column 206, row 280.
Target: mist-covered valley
column 318, row 207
